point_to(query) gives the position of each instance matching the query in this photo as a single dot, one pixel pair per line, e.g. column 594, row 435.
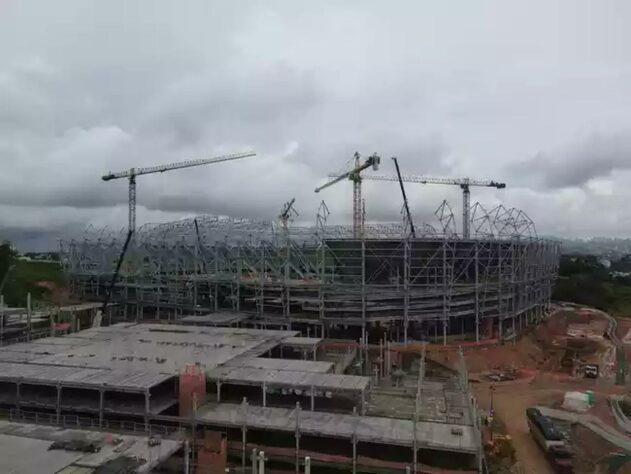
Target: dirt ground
column 510, row 403
column 538, row 354
column 57, row 294
column 540, row 348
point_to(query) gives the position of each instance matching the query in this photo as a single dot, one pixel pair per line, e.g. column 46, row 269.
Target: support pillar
column 255, row 458
column 261, row 463
column 307, row 465
column 101, row 403
column 58, row 404
column 18, row 397
column 264, row 394
column 297, row 437
column 28, row 317
column 147, row 409
column 312, row 398
column 363, row 406
column 218, row 391
column 354, row 439
column 244, row 431
column 187, row 455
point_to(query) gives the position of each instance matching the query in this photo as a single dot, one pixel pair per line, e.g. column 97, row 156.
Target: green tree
column 8, row 257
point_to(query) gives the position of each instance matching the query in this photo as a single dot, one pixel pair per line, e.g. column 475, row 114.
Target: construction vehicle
column 551, row 440
column 591, row 371
column 405, row 199
column 354, row 175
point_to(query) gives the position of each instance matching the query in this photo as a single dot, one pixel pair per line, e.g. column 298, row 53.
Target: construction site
column 268, row 345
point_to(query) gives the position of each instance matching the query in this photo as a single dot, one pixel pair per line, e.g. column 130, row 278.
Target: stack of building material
column 576, row 401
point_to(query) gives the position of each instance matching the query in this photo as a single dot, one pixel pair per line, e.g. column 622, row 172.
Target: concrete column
column 312, row 398
column 187, row 455
column 244, row 431
column 354, row 441
column 28, row 317
column 264, row 395
column 297, row 437
column 101, row 403
column 147, row 409
column 382, row 363
column 297, row 452
column 18, row 398
column 363, row 406
column 261, row 463
column 414, row 460
column 218, row 391
column 255, row 458
column 58, row 405
column 307, row 465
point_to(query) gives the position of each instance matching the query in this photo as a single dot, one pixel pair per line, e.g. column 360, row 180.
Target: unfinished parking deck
column 25, row 449
column 153, row 348
column 365, row 428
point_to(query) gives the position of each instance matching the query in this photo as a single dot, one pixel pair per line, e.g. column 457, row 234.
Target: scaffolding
column 323, row 279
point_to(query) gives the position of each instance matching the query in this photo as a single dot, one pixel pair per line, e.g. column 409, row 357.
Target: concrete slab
column 429, row 435
column 291, row 379
column 263, row 363
column 31, row 442
column 31, row 456
column 153, row 348
column 221, row 318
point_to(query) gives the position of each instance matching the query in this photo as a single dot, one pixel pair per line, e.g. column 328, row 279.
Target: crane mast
column 132, row 173
column 464, row 183
column 354, row 175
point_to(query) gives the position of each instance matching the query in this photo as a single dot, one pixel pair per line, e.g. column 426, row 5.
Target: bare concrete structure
column 26, row 449
column 107, row 376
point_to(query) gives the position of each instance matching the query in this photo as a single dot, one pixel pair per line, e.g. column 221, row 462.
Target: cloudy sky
column 534, row 93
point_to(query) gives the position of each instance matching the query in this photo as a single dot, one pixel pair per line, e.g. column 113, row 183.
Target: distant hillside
column 20, row 276
column 594, row 281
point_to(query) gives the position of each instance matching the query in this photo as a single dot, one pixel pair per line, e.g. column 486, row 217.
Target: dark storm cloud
column 597, row 156
column 88, row 87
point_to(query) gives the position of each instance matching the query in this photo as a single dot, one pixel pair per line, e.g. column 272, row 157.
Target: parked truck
column 550, row 439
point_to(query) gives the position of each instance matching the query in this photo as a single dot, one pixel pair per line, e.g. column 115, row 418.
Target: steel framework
column 438, row 286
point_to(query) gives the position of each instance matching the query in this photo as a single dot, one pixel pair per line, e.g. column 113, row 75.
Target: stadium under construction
column 245, row 342
column 326, row 280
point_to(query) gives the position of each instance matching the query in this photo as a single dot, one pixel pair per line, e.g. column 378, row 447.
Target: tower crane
column 464, row 183
column 285, row 214
column 354, row 175
column 134, row 172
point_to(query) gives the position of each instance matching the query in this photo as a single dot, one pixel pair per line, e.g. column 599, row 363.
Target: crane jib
column 175, row 166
